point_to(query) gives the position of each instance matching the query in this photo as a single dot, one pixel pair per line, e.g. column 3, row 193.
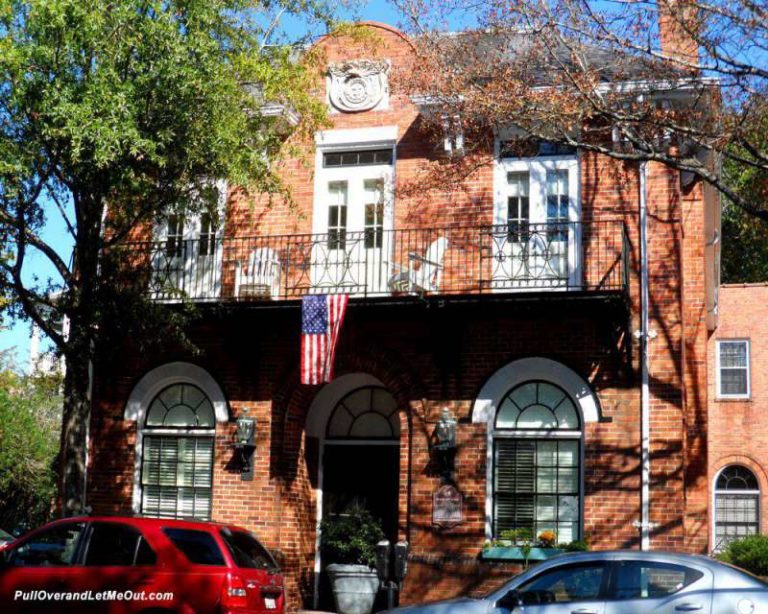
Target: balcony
column 523, row 258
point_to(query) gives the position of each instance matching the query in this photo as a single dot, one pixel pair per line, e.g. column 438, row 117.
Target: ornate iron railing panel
column 583, row 256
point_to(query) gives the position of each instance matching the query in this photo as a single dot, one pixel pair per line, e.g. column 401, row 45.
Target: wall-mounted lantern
column 444, row 436
column 444, row 442
column 245, row 436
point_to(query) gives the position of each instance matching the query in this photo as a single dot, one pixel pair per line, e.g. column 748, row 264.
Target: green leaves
column 30, row 416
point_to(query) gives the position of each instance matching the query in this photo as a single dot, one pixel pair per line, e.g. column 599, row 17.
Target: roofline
column 370, row 24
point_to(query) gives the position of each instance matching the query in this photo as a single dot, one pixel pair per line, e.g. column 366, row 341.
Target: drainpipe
column 645, row 397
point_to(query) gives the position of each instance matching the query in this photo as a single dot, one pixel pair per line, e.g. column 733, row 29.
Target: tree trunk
column 74, row 428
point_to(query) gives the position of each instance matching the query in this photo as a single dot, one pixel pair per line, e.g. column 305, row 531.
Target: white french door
column 353, row 222
column 536, row 236
column 188, row 259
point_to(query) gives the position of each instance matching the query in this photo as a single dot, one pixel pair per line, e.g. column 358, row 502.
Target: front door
column 353, row 223
column 365, row 474
column 535, row 238
column 659, row 587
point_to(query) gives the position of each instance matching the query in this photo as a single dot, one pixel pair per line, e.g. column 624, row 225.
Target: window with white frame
column 537, row 462
column 733, row 368
column 177, row 457
column 737, row 505
column 537, row 214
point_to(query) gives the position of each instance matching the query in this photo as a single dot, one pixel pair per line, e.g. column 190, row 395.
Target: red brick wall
column 739, row 428
column 430, row 357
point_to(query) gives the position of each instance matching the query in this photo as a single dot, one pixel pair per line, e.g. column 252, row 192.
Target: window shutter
column 176, row 476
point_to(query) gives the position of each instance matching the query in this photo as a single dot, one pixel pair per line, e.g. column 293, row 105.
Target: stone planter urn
column 354, row 587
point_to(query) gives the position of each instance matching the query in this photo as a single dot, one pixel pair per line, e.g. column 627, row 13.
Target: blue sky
column 15, row 337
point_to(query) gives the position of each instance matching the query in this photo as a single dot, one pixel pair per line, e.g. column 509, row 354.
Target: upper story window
column 357, row 158
column 529, row 148
column 733, row 369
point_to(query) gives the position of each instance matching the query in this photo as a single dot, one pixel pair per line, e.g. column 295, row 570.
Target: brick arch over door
column 294, row 457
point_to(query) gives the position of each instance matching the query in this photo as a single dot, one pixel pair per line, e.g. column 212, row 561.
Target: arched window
column 737, row 505
column 177, row 457
column 369, row 412
column 537, row 462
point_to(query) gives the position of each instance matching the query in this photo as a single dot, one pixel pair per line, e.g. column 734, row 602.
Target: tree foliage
column 112, row 114
column 682, row 82
column 30, row 422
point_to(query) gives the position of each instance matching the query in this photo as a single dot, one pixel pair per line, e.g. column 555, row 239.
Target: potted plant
column 348, row 543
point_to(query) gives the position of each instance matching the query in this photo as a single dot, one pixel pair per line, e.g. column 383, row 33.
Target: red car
column 151, row 565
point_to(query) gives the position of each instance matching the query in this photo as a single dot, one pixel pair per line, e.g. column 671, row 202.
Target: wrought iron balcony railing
column 575, row 256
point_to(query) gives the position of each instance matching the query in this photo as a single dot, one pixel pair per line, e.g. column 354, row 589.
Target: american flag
column 321, row 319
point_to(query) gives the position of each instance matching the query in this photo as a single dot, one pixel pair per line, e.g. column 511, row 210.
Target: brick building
column 738, row 456
column 513, row 304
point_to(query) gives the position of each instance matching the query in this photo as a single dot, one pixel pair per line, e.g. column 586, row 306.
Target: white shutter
column 176, row 476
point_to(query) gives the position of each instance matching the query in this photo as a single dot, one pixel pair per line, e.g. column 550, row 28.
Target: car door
column 40, row 565
column 263, row 581
column 117, row 557
column 571, row 588
column 658, row 587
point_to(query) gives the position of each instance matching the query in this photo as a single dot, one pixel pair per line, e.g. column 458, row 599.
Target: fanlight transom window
column 537, row 405
column 366, row 413
column 181, row 406
column 736, row 477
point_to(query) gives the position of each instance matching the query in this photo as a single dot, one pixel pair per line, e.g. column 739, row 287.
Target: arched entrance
column 357, row 423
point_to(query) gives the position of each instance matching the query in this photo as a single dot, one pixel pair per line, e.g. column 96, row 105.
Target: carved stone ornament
column 358, row 85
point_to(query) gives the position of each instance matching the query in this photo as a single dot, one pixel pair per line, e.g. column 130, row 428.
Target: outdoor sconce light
column 244, row 445
column 444, row 442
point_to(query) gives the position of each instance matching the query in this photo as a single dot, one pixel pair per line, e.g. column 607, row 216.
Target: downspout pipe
column 645, row 397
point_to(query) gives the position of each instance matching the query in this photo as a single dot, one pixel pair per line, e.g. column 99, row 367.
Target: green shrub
column 351, row 537
column 579, row 545
column 750, row 553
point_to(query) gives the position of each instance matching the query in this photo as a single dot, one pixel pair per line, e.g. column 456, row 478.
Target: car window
column 112, row 543
column 199, row 547
column 53, row 547
column 564, row 584
column 247, row 551
column 650, row 580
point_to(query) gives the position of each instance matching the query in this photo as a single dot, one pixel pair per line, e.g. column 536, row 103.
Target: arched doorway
column 357, row 423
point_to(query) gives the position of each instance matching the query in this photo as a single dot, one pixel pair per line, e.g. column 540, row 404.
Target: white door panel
column 353, row 215
column 535, row 242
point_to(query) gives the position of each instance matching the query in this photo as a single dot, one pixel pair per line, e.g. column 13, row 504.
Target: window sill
column 514, row 553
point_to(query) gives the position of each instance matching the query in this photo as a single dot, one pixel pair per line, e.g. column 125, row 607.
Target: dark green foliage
column 351, row 537
column 579, row 545
column 745, row 247
column 750, row 553
column 30, row 419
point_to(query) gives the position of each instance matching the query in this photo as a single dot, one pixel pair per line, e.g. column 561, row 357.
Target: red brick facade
column 431, row 354
column 738, row 434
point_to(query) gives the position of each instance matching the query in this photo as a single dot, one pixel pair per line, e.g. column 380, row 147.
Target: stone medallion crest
column 359, row 85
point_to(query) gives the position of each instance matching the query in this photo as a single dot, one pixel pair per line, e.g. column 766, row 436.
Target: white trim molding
column 525, row 369
column 508, row 377
column 153, row 382
column 149, row 387
column 351, row 138
column 719, row 369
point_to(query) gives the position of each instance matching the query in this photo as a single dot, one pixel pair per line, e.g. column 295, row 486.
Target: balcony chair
column 429, row 274
column 261, row 277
